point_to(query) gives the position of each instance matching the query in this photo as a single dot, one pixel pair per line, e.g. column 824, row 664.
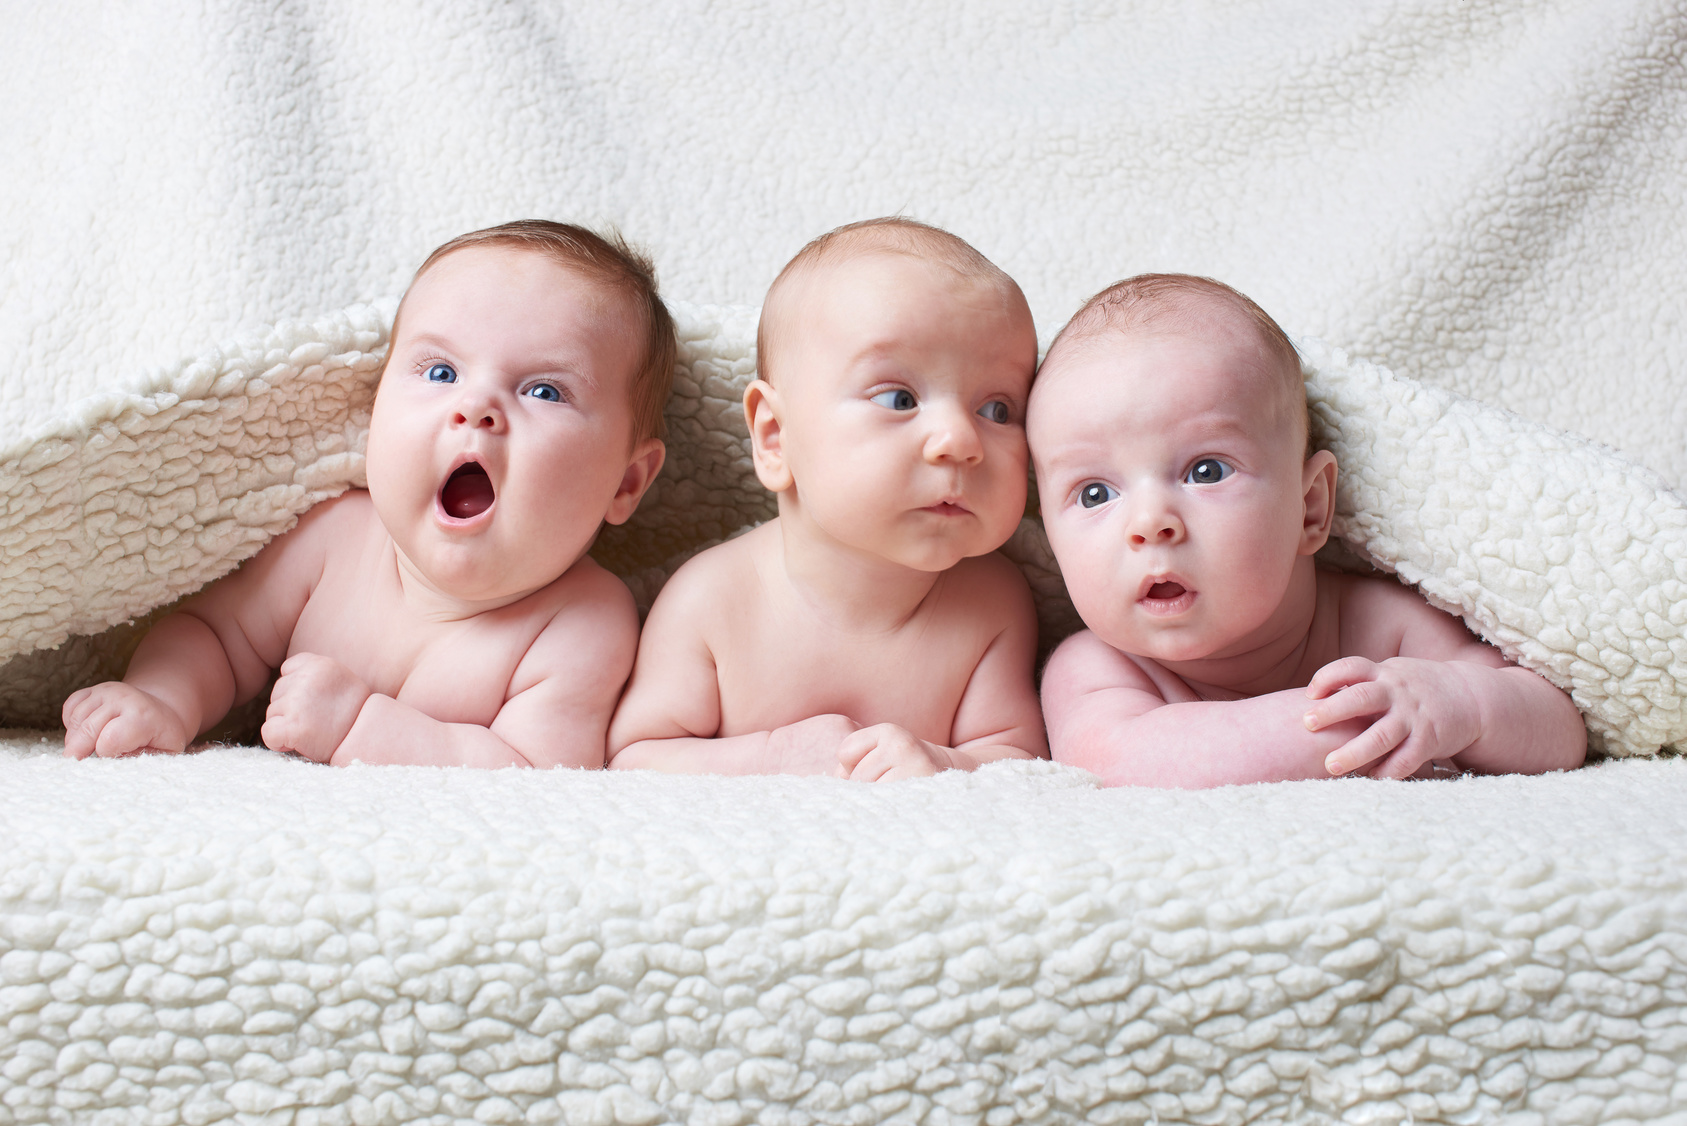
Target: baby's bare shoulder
column 1383, row 618
column 988, row 585
column 1084, row 664
column 714, row 581
column 586, row 620
column 351, row 511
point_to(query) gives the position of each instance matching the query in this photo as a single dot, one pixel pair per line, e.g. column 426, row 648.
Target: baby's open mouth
column 1165, row 590
column 467, row 493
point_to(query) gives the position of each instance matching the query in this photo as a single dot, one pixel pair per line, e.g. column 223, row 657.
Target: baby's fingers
column 1337, row 675
column 853, row 749
column 872, row 768
column 1367, row 697
column 127, row 733
column 1374, row 742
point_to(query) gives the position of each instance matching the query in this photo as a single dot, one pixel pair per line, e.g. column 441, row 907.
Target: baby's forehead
column 1252, row 361
column 878, row 299
column 871, row 267
column 513, row 266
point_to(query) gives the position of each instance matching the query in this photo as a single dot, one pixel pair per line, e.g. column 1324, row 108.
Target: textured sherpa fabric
column 234, row 934
column 1485, row 194
column 1570, row 559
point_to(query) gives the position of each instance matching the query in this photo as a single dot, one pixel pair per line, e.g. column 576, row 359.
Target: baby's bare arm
column 668, row 718
column 1445, row 694
column 999, row 715
column 557, row 710
column 213, row 653
column 1107, row 715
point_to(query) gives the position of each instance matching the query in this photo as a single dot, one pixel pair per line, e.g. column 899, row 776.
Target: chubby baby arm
column 556, row 711
column 213, row 653
column 178, row 683
column 1446, row 695
column 1106, row 714
column 669, row 716
column 998, row 715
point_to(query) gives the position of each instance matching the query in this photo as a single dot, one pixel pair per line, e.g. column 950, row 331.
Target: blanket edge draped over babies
column 1570, row 559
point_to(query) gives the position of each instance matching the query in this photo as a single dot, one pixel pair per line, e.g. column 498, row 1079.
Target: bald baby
column 870, row 631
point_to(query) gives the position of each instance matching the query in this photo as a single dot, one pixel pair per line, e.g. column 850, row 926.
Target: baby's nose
column 481, row 416
column 955, row 437
column 1156, row 526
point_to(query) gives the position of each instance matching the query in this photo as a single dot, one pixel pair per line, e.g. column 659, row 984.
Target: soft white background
column 1487, row 194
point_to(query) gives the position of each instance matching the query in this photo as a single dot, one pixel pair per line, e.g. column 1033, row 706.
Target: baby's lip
column 949, row 506
column 467, row 493
column 1165, row 594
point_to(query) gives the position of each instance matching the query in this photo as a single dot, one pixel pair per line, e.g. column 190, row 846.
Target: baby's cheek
column 1095, row 586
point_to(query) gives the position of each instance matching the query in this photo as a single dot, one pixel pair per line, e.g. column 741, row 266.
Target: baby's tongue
column 1165, row 590
column 468, row 493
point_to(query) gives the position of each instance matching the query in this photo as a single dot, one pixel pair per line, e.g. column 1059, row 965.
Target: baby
column 448, row 615
column 1169, row 429
column 870, row 631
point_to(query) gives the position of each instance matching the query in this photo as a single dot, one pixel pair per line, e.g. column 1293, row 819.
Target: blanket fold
column 1569, row 558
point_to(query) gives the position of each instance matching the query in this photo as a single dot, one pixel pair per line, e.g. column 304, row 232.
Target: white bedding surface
column 190, row 938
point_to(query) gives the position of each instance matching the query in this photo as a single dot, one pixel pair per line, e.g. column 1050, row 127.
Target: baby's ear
column 1318, row 490
column 761, row 414
column 642, row 469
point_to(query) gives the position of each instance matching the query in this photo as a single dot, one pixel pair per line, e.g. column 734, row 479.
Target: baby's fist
column 886, row 752
column 114, row 718
column 313, row 706
column 809, row 746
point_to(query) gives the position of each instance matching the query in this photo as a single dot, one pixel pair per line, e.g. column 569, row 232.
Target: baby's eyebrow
column 1074, row 454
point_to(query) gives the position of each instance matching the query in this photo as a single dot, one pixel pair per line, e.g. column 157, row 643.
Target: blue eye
column 995, row 411
column 440, row 373
column 1207, row 471
column 549, row 392
column 897, row 400
column 1095, row 494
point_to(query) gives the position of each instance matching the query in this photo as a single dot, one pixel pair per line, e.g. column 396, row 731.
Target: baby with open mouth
column 871, row 630
column 448, row 614
column 1169, row 431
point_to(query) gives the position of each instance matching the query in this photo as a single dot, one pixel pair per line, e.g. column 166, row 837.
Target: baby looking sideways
column 1169, row 429
column 870, row 630
column 449, row 614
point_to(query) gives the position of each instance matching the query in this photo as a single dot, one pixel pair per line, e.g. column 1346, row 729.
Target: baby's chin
column 1175, row 645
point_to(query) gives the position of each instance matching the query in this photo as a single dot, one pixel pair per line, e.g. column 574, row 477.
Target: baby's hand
column 114, row 718
column 313, row 706
column 1424, row 710
column 885, row 752
column 809, row 746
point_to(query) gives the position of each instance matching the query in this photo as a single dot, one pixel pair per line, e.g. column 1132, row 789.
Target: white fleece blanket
column 1484, row 195
column 235, row 934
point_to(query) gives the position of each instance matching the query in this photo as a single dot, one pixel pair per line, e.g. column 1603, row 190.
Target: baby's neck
column 430, row 603
column 1297, row 640
column 846, row 586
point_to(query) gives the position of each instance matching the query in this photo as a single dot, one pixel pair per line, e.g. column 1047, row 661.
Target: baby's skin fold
column 1169, row 430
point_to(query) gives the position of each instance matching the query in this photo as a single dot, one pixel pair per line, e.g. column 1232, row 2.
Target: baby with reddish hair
column 449, row 614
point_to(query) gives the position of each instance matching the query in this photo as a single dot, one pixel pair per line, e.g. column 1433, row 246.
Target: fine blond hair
column 1178, row 302
column 892, row 234
column 606, row 261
